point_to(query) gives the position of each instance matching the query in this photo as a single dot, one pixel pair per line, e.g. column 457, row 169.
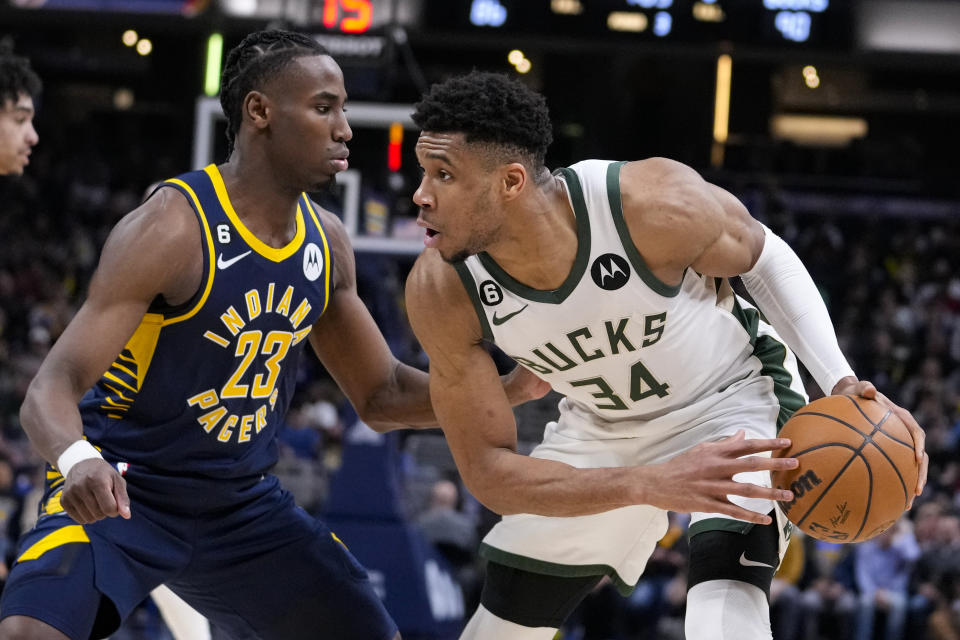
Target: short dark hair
column 489, row 108
column 260, row 56
column 16, row 76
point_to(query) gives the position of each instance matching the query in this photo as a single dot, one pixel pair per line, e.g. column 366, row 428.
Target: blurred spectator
column 451, row 531
column 19, row 85
column 786, row 606
column 828, row 600
column 454, row 534
column 882, row 568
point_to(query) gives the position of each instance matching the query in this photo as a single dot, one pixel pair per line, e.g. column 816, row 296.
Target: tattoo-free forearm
column 403, row 402
column 50, row 417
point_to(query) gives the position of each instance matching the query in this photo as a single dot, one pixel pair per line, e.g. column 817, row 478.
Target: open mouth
column 431, row 232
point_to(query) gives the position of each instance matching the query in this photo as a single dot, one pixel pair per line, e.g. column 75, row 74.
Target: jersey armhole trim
column 208, row 260
column 616, row 209
column 327, row 258
column 468, row 283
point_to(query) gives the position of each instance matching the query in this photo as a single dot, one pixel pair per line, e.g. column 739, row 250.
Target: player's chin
column 453, row 255
column 322, row 181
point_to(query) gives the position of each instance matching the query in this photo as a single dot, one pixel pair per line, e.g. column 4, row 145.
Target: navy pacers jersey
column 200, row 389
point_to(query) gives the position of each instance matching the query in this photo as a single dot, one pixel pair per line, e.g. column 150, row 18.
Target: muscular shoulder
column 677, row 219
column 165, row 218
column 660, row 193
column 437, row 302
column 671, row 212
column 157, row 246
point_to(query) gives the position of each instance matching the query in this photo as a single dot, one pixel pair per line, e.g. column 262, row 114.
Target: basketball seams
column 841, row 473
column 903, row 484
column 856, row 404
column 866, row 509
column 842, row 445
column 835, row 419
column 908, row 445
column 856, row 454
column 826, row 490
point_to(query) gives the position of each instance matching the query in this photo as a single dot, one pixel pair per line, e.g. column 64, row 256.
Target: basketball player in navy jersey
column 182, row 361
column 19, row 85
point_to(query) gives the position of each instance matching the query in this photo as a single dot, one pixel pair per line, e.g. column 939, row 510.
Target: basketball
column 857, row 469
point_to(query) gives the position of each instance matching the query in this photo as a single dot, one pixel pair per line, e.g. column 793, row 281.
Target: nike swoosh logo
column 751, row 563
column 499, row 321
column 223, row 264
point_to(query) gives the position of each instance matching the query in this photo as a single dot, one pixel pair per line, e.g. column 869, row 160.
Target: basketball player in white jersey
column 609, row 280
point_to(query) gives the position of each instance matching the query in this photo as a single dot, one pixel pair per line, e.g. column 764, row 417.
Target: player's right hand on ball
column 94, row 490
column 701, row 478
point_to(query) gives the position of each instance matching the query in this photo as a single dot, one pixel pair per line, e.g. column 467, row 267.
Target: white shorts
column 619, row 542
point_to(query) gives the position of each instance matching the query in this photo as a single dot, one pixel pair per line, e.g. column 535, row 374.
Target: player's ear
column 256, row 109
column 514, row 179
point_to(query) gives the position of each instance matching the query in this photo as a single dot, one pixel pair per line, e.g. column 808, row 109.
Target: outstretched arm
column 481, row 430
column 678, row 220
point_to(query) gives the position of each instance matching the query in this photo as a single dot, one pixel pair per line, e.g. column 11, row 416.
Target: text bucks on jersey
column 613, row 337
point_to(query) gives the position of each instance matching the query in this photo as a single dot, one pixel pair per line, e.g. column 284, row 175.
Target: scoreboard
column 798, row 23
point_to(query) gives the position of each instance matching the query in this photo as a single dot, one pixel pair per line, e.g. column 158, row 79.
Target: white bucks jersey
column 614, row 339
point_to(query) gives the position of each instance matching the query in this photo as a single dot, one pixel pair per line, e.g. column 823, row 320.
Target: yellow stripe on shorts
column 66, row 535
column 339, row 540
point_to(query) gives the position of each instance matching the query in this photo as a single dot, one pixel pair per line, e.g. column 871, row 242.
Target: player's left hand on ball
column 865, row 389
column 522, row 385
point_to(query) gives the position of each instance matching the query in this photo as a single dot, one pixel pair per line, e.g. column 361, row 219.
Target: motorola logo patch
column 610, row 271
column 490, row 293
column 312, row 262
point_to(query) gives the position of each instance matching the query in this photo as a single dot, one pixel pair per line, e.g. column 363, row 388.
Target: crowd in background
column 893, row 289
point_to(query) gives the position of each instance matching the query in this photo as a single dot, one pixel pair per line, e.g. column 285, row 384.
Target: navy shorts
column 247, row 557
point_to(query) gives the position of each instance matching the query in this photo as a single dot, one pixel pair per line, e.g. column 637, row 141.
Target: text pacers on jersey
column 251, row 345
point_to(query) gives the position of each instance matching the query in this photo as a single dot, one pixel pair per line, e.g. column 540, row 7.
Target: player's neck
column 266, row 206
column 539, row 242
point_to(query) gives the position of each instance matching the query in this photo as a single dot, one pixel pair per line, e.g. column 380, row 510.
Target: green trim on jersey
column 750, row 320
column 555, row 569
column 555, row 296
column 639, row 264
column 772, row 354
column 468, row 283
column 719, row 524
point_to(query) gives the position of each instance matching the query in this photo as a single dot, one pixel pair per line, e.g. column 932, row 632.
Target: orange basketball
column 857, row 469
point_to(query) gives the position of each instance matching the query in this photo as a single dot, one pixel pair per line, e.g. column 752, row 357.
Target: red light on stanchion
column 394, row 161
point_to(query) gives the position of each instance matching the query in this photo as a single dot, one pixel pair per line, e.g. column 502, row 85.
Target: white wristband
column 79, row 450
